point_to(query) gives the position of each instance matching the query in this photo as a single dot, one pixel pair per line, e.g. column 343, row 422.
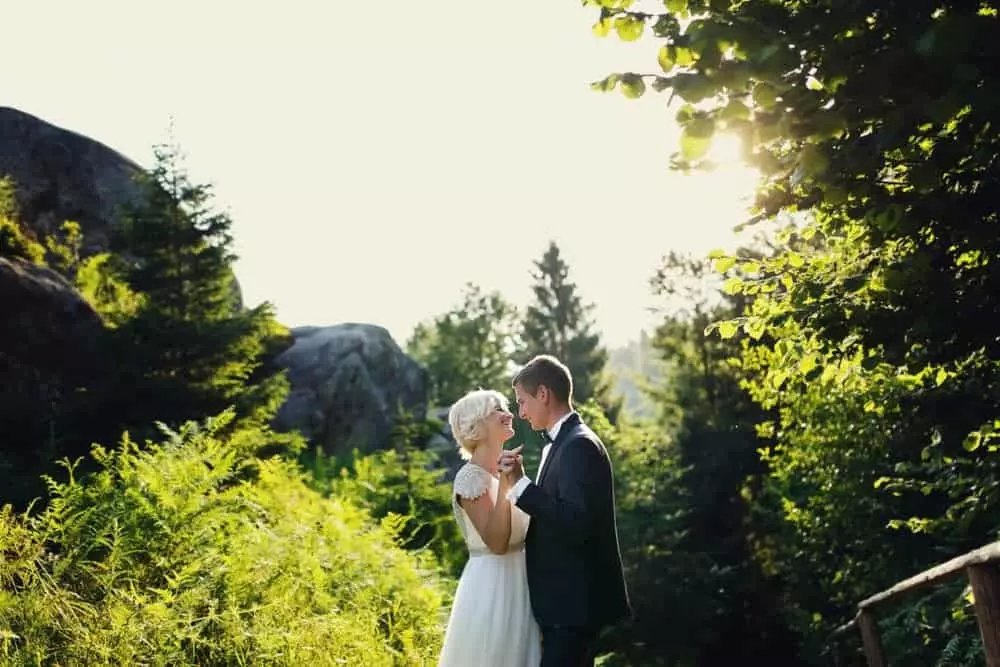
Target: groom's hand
column 512, row 464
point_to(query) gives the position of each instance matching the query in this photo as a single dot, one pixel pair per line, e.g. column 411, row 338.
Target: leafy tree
column 472, row 346
column 468, row 347
column 190, row 349
column 701, row 475
column 559, row 323
column 664, row 579
column 873, row 342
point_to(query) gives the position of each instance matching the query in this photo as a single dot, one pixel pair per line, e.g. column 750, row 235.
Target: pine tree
column 191, row 349
column 559, row 323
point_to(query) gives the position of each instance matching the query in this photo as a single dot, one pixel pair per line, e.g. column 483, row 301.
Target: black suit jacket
column 574, row 562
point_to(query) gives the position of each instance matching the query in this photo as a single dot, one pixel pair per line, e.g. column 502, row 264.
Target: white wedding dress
column 491, row 624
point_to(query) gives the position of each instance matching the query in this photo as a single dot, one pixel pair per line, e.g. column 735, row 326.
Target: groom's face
column 530, row 408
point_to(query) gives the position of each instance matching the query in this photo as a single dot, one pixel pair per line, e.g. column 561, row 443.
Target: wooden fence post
column 871, row 639
column 985, row 582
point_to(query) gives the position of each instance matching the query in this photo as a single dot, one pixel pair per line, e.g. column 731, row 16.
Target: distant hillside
column 630, row 367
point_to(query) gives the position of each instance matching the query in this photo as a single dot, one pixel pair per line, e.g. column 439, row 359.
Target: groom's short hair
column 549, row 371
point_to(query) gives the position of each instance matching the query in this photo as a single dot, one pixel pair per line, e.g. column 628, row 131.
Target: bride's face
column 500, row 425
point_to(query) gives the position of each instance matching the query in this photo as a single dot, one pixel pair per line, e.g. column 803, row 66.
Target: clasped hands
column 511, row 465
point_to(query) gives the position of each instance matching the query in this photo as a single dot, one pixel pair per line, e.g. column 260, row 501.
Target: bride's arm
column 491, row 517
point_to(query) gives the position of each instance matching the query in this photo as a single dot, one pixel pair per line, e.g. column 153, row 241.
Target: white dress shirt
column 519, row 486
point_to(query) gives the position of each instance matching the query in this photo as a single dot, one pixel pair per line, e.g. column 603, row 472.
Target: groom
column 574, row 565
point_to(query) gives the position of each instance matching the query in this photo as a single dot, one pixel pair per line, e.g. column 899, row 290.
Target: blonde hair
column 467, row 418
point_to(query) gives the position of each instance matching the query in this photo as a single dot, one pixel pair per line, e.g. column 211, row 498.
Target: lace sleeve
column 471, row 481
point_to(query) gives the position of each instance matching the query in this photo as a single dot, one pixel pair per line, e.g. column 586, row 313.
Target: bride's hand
column 511, row 467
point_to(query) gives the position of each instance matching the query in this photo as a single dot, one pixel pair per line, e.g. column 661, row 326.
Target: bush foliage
column 192, row 551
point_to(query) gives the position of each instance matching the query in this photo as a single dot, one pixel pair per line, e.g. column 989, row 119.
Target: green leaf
column 807, row 364
column 812, row 83
column 694, row 87
column 941, row 376
column 733, row 285
column 685, row 114
column 666, row 26
column 696, row 138
column 723, row 264
column 665, row 59
column 735, row 111
column 764, row 95
column 676, row 6
column 602, row 28
column 754, row 327
column 764, row 52
column 694, row 148
column 727, row 329
column 813, row 161
column 606, row 84
column 629, row 28
column 972, row 441
column 701, row 127
column 794, row 259
column 683, row 56
column 777, row 378
column 632, row 86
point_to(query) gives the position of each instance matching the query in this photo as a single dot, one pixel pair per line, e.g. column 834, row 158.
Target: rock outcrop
column 61, row 175
column 350, row 383
column 46, row 325
column 51, row 360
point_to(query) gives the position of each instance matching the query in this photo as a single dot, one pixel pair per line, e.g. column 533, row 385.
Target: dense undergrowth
column 193, row 551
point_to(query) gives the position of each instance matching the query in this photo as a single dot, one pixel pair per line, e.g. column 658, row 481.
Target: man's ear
column 542, row 393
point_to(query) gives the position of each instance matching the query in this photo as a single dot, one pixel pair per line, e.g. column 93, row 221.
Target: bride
column 491, row 623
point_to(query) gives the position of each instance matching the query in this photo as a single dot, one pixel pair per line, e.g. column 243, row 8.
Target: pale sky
column 377, row 156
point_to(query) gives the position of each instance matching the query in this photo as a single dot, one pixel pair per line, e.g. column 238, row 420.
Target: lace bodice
column 471, row 482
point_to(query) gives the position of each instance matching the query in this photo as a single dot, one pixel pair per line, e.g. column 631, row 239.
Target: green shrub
column 192, row 551
column 14, row 241
column 406, row 480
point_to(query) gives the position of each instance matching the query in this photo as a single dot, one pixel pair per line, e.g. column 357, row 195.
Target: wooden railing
column 980, row 568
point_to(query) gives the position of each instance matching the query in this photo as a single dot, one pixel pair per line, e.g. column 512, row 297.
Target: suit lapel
column 571, row 422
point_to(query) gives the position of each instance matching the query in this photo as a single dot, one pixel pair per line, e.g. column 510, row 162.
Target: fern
column 191, row 551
